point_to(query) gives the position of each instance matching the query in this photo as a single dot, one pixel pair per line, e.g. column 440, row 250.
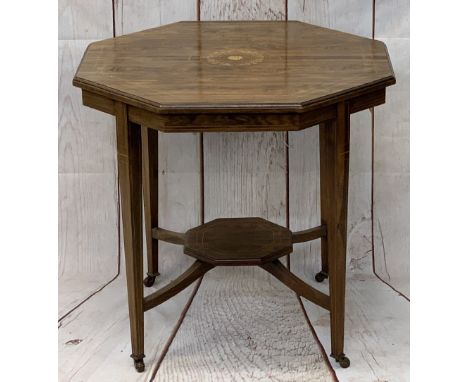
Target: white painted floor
column 376, row 331
column 94, row 340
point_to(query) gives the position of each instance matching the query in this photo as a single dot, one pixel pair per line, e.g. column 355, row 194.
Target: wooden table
column 233, row 76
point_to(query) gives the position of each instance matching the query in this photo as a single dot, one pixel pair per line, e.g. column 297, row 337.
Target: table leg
column 326, row 178
column 150, row 198
column 334, row 141
column 129, row 162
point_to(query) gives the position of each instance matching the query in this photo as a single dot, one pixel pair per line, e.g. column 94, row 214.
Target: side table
column 233, row 77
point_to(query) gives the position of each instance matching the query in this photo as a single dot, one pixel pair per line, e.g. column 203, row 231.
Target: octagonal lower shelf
column 238, row 241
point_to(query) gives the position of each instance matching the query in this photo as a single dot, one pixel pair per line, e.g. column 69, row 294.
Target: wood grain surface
column 350, row 16
column 242, row 10
column 227, row 66
column 377, row 330
column 136, row 15
column 179, row 193
column 392, row 19
column 246, row 169
column 86, row 136
column 330, row 17
column 84, row 19
column 242, row 326
column 94, row 340
column 238, row 241
column 88, row 200
column 304, row 150
column 254, row 184
column 392, row 153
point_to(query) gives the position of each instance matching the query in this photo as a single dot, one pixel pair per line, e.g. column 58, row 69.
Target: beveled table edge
column 193, row 117
column 202, row 108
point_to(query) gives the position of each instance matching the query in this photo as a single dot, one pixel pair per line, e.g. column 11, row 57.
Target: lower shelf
column 238, row 241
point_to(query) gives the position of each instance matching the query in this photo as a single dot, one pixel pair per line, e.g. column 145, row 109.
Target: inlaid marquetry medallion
column 212, row 66
column 235, row 57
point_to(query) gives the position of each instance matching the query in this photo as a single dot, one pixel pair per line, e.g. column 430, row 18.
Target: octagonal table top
column 229, row 66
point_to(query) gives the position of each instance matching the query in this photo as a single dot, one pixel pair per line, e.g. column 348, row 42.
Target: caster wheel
column 149, row 281
column 319, row 277
column 139, row 364
column 343, row 361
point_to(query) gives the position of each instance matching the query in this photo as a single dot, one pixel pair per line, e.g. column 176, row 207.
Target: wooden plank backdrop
column 391, row 151
column 179, row 170
column 84, row 19
column 352, row 16
column 245, row 174
column 223, row 339
column 88, row 202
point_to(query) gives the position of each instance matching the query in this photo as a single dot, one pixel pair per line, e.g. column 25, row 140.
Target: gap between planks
column 176, row 329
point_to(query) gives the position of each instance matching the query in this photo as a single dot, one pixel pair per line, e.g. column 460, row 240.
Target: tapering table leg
column 129, row 163
column 334, row 142
column 150, row 197
column 326, row 178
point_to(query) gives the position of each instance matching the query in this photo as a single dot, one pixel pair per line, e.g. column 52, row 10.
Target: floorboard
column 74, row 291
column 94, row 340
column 244, row 326
column 376, row 331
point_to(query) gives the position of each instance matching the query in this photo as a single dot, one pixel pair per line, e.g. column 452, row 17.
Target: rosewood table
column 233, row 76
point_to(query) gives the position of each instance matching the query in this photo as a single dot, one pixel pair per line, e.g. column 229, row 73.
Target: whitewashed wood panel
column 88, row 225
column 242, row 327
column 242, row 9
column 86, row 136
column 179, row 194
column 392, row 138
column 359, row 192
column 88, row 205
column 392, row 174
column 376, row 331
column 136, row 15
column 392, row 18
column 94, row 340
column 245, row 172
column 351, row 16
column 305, row 195
column 132, row 16
column 84, row 19
column 245, row 175
column 179, row 171
column 74, row 290
column 304, row 191
column 88, row 248
column 376, row 317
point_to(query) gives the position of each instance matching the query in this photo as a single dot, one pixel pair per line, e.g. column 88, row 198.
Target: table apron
column 235, row 122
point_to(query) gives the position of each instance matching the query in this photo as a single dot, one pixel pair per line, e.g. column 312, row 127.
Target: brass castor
column 319, row 277
column 343, row 361
column 138, row 362
column 149, row 280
